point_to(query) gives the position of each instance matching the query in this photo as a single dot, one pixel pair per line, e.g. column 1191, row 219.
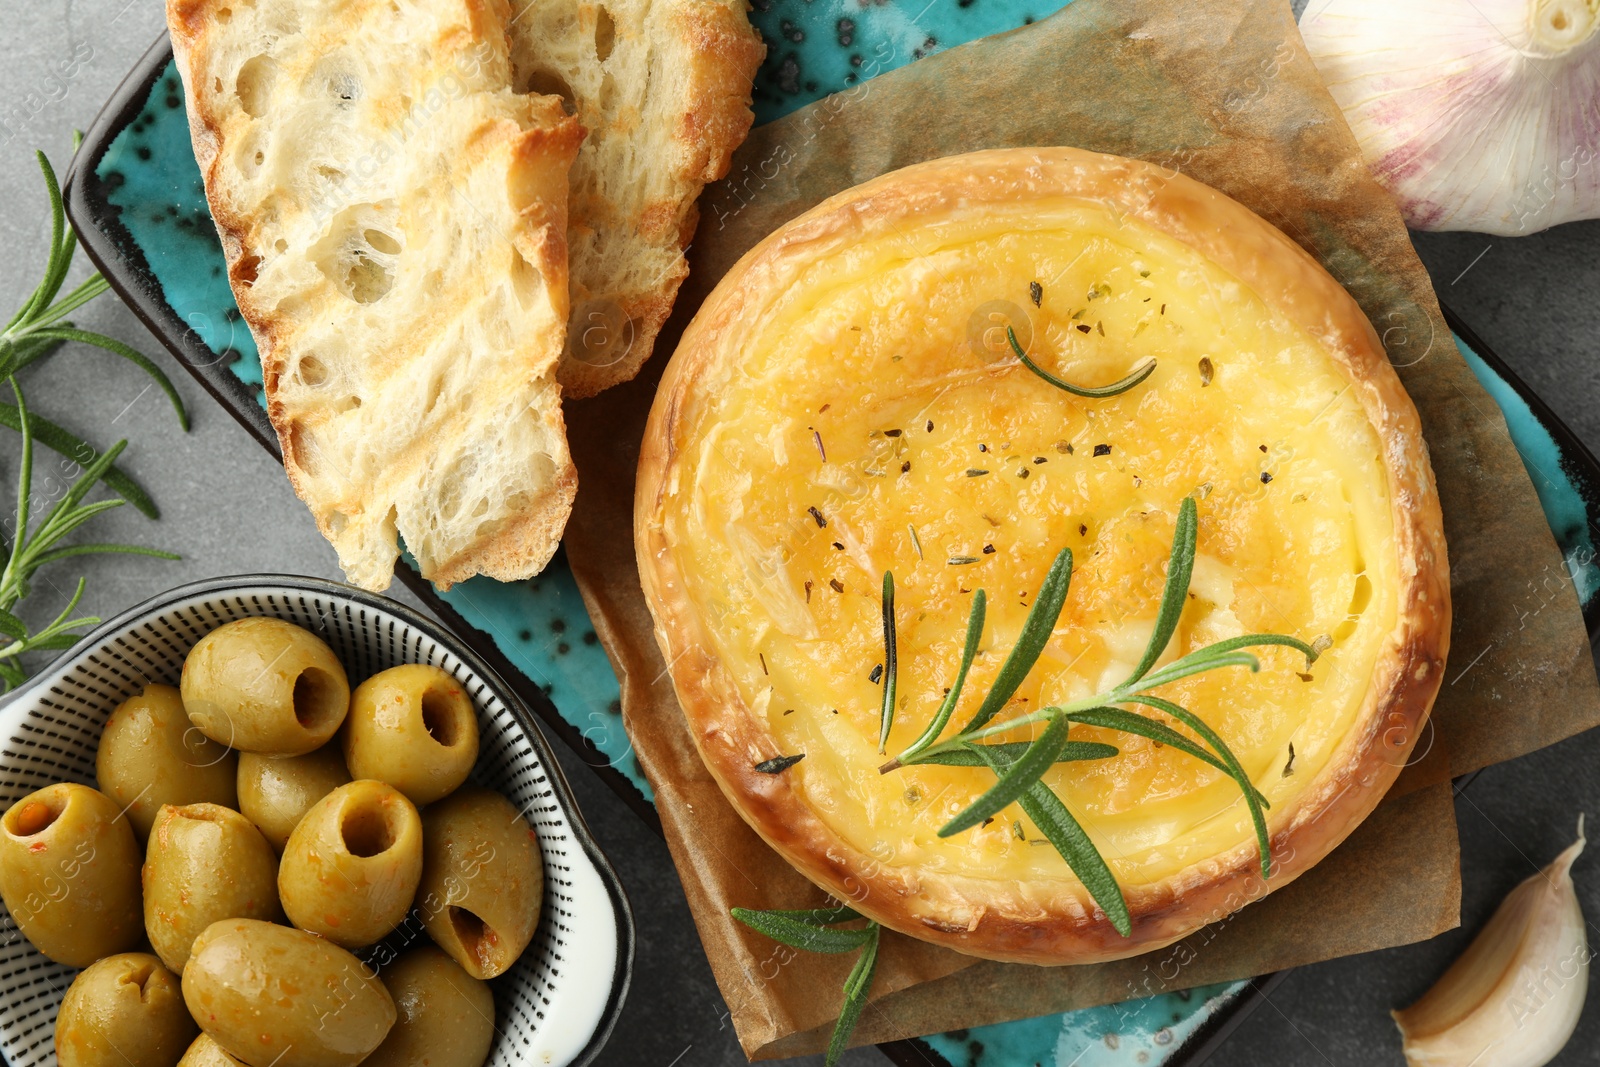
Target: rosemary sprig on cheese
column 1100, row 392
column 1020, row 766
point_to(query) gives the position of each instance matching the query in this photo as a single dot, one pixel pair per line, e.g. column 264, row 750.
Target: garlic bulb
column 1476, row 114
column 1514, row 997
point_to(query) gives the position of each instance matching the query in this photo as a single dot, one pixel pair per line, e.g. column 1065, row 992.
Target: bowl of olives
column 279, row 822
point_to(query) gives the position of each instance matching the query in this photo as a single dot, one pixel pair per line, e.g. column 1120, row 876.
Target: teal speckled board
column 815, row 47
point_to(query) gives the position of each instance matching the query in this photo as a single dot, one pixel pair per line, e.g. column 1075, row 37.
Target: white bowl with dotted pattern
column 555, row 1008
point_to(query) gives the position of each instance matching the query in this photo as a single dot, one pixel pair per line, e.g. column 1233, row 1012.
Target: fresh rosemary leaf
column 1131, row 722
column 14, row 355
column 12, row 626
column 61, row 641
column 19, row 536
column 1039, row 756
column 1195, row 723
column 127, row 352
column 1140, row 373
column 802, row 935
column 1234, row 644
column 816, row 916
column 890, row 664
column 1196, row 663
column 56, row 268
column 65, row 443
column 101, row 549
column 87, row 480
column 1180, row 566
column 1030, row 642
column 968, row 652
column 1071, row 752
column 1053, row 819
column 856, row 988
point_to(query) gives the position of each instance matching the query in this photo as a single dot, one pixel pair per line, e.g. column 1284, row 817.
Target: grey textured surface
column 228, row 509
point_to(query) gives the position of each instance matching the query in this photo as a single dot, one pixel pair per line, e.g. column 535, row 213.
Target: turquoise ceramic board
column 1551, row 467
column 143, row 213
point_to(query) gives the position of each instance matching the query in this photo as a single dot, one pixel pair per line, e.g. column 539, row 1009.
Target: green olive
column 205, row 1052
column 414, row 727
column 482, row 880
column 125, row 1011
column 351, row 867
column 69, row 874
column 204, row 863
column 151, row 754
column 445, row 1016
column 261, row 990
column 275, row 792
column 265, row 685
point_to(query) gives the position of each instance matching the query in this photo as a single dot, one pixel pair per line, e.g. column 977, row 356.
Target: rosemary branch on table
column 37, row 330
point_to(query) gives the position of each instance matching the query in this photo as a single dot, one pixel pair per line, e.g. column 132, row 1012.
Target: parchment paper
column 1222, row 90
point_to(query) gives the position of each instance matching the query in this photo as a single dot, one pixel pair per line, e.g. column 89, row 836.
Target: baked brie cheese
column 847, row 403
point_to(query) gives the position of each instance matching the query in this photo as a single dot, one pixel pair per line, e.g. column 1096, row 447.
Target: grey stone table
column 227, row 509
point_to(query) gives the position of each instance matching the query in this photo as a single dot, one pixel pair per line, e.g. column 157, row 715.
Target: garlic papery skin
column 1476, row 114
column 1514, row 997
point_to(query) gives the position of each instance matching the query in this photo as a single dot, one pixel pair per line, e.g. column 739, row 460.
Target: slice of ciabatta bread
column 394, row 219
column 663, row 89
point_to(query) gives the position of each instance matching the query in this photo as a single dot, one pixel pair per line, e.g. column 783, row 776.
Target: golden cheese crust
column 1047, row 918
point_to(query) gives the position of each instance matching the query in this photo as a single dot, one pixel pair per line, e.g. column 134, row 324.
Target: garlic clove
column 1514, row 997
column 1475, row 114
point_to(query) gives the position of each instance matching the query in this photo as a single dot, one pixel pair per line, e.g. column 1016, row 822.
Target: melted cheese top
column 876, row 421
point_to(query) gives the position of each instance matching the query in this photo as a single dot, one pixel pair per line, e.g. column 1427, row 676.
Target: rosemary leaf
column 1071, row 752
column 58, row 642
column 1179, row 569
column 14, row 355
column 127, row 352
column 86, row 481
column 56, row 267
column 799, row 934
column 856, row 988
column 1195, row 723
column 19, row 536
column 1233, row 644
column 890, row 664
column 1030, row 642
column 66, row 444
column 1053, row 819
column 1197, row 663
column 817, row 916
column 1019, row 776
column 1140, row 373
column 97, row 549
column 1131, row 722
column 12, row 626
column 968, row 652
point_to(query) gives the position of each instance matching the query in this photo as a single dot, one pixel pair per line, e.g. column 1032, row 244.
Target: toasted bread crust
column 666, row 106
column 1052, row 924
